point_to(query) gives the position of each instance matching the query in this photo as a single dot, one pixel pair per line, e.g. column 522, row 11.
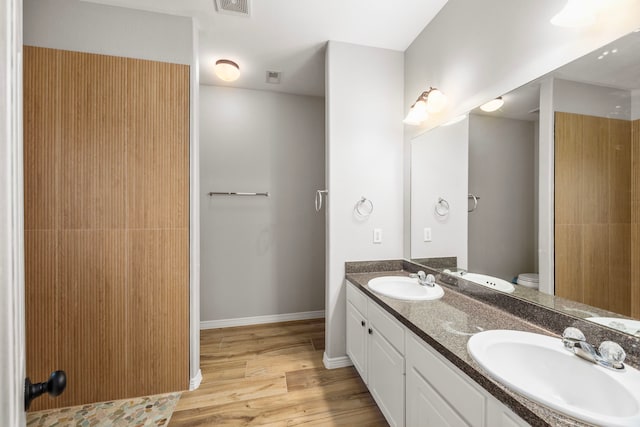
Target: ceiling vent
column 233, row 7
column 273, row 77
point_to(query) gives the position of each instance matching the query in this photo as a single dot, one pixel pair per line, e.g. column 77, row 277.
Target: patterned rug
column 141, row 411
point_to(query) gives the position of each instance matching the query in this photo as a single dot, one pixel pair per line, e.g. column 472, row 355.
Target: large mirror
column 540, row 198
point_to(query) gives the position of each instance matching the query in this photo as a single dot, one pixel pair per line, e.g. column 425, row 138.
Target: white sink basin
column 629, row 326
column 406, row 288
column 540, row 368
column 484, row 280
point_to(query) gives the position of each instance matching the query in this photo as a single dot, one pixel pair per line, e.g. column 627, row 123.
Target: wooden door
column 106, row 149
column 593, row 210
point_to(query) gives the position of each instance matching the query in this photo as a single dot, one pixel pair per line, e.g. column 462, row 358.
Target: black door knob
column 362, row 322
column 370, row 331
column 54, row 386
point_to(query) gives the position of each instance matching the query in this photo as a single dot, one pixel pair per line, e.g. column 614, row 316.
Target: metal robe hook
column 320, row 194
column 475, row 202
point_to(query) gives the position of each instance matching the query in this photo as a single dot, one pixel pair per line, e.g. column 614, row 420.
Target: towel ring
column 442, row 207
column 364, row 207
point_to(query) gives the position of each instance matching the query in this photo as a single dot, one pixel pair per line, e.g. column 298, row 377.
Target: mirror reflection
column 544, row 192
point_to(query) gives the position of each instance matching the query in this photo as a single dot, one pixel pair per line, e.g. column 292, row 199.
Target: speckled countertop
column 446, row 325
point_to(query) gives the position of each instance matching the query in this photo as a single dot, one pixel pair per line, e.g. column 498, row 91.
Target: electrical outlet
column 427, row 234
column 377, row 235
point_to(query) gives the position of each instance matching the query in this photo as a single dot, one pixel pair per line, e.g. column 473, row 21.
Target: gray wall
column 502, row 238
column 591, row 100
column 261, row 256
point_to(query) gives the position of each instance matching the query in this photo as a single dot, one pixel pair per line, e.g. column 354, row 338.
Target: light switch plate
column 427, row 234
column 377, row 235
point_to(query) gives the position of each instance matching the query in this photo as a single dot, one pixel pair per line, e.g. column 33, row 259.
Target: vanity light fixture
column 576, row 14
column 492, row 105
column 429, row 101
column 227, row 70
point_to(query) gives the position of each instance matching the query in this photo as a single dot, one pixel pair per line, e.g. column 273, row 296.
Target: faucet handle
column 571, row 336
column 612, row 353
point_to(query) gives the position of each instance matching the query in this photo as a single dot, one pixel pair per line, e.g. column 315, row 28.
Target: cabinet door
column 357, row 339
column 453, row 388
column 386, row 377
column 425, row 407
column 499, row 415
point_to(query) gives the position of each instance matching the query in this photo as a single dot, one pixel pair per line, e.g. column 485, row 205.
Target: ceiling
column 290, row 35
column 616, row 70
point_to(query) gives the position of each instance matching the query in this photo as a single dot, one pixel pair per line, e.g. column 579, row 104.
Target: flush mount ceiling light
column 429, row 101
column 577, row 14
column 492, row 105
column 227, row 70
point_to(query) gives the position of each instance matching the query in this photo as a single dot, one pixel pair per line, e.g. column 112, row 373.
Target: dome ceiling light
column 492, row 105
column 227, row 70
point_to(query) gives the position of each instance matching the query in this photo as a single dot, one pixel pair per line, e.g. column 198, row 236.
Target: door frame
column 12, row 319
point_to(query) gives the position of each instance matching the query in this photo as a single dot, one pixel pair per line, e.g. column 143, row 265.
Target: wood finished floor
column 273, row 375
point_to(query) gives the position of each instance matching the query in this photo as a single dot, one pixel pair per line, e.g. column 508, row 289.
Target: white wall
column 93, row 28
column 12, row 318
column 635, row 104
column 439, row 168
column 261, row 256
column 364, row 105
column 194, row 215
column 502, row 237
column 88, row 27
column 591, row 100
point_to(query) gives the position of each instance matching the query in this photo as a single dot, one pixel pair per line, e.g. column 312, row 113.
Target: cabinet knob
column 370, row 331
column 362, row 323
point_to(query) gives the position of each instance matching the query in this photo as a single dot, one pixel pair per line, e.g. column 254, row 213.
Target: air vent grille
column 273, row 77
column 233, row 7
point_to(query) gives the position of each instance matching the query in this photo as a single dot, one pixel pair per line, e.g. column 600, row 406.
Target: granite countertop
column 447, row 323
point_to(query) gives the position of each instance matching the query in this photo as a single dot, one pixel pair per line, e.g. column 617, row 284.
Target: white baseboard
column 257, row 320
column 336, row 362
column 194, row 383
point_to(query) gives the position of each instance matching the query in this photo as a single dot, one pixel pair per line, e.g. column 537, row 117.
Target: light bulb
column 576, row 14
column 436, row 101
column 420, row 106
column 415, row 116
column 227, row 70
column 492, row 105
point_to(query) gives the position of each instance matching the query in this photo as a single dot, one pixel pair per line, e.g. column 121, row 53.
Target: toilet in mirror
column 538, row 195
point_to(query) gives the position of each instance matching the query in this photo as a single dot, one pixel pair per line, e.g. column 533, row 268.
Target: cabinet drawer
column 386, row 325
column 447, row 381
column 357, row 298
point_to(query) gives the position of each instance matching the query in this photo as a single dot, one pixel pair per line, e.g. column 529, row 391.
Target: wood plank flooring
column 273, row 375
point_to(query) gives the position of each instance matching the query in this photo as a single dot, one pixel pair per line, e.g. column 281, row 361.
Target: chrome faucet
column 425, row 279
column 609, row 354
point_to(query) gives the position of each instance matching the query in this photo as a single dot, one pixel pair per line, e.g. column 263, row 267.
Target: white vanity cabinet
column 375, row 344
column 357, row 330
column 440, row 394
column 433, row 392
